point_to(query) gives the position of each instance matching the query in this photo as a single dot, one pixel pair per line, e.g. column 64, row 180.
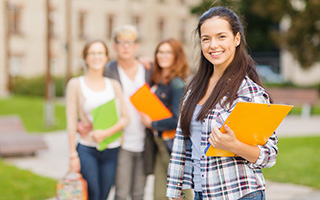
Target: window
column 110, row 25
column 161, row 28
column 136, row 21
column 52, row 23
column 81, row 25
column 183, row 24
column 14, row 19
column 15, row 65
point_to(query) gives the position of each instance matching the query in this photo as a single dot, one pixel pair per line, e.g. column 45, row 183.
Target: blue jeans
column 197, row 195
column 257, row 195
column 98, row 168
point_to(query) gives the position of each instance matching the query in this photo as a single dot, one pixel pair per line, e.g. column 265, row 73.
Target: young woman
column 170, row 71
column 226, row 75
column 84, row 94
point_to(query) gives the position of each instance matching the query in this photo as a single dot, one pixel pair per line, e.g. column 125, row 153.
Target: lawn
column 31, row 111
column 24, row 185
column 298, row 162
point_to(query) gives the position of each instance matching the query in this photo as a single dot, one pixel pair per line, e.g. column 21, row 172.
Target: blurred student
column 226, row 75
column 84, row 94
column 130, row 177
column 168, row 83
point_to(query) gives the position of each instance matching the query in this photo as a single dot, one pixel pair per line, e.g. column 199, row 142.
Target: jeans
column 98, row 168
column 257, row 195
column 197, row 195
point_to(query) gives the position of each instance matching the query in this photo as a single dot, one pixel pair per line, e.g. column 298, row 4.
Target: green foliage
column 24, row 185
column 297, row 162
column 31, row 111
column 258, row 29
column 302, row 38
column 36, row 86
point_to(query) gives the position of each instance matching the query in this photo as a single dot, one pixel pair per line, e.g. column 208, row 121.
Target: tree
column 302, row 38
column 258, row 29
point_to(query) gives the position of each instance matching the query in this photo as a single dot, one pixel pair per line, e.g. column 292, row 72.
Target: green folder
column 105, row 116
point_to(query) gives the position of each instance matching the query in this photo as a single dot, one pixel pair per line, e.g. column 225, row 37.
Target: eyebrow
column 220, row 33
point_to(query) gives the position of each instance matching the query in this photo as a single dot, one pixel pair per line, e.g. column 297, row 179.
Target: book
column 105, row 116
column 252, row 123
column 147, row 102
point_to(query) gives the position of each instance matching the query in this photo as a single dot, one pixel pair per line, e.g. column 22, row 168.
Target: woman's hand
column 98, row 135
column 225, row 141
column 146, row 120
column 84, row 129
column 74, row 164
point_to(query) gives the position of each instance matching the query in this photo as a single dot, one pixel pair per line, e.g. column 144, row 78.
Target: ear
column 237, row 39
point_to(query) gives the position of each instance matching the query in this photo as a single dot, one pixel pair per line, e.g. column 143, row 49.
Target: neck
column 94, row 74
column 127, row 63
column 164, row 73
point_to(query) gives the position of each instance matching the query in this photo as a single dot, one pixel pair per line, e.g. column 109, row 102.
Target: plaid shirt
column 222, row 177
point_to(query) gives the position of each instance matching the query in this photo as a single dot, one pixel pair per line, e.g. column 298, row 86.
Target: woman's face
column 218, row 43
column 96, row 57
column 165, row 56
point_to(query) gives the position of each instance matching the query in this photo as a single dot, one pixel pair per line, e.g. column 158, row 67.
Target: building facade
column 24, row 25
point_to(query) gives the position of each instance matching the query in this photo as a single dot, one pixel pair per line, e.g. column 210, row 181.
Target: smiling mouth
column 216, row 53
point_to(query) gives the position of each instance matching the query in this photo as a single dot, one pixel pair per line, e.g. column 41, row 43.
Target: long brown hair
column 241, row 66
column 179, row 68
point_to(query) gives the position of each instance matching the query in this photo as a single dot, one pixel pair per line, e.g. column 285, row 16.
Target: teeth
column 216, row 53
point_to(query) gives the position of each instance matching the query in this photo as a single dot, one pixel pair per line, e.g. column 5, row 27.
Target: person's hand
column 146, row 120
column 84, row 129
column 98, row 135
column 221, row 140
column 74, row 164
column 146, row 62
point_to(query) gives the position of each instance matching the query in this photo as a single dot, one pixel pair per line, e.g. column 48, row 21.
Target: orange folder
column 252, row 123
column 147, row 102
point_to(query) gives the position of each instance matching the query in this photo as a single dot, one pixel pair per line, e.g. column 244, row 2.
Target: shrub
column 36, row 86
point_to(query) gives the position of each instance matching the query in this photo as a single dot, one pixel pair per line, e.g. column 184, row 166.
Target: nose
column 213, row 43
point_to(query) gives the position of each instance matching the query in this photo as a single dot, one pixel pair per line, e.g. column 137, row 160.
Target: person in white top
column 131, row 177
column 83, row 95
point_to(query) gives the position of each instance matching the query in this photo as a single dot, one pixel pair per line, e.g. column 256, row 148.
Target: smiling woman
column 83, row 95
column 226, row 75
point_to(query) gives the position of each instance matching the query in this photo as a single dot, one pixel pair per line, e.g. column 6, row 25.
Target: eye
column 204, row 39
column 222, row 36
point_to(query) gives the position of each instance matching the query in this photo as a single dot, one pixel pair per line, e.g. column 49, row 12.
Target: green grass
column 17, row 184
column 315, row 110
column 298, row 162
column 31, row 111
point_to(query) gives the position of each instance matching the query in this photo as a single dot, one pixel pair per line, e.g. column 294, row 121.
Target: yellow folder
column 105, row 116
column 147, row 102
column 252, row 123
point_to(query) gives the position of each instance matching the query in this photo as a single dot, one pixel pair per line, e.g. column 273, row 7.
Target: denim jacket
column 170, row 95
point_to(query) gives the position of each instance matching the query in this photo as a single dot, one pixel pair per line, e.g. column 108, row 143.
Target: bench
column 297, row 97
column 14, row 141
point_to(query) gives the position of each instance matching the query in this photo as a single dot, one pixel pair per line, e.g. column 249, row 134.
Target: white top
column 95, row 99
column 134, row 133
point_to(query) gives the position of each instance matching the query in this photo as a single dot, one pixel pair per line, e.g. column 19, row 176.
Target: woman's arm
column 72, row 118
column 229, row 142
